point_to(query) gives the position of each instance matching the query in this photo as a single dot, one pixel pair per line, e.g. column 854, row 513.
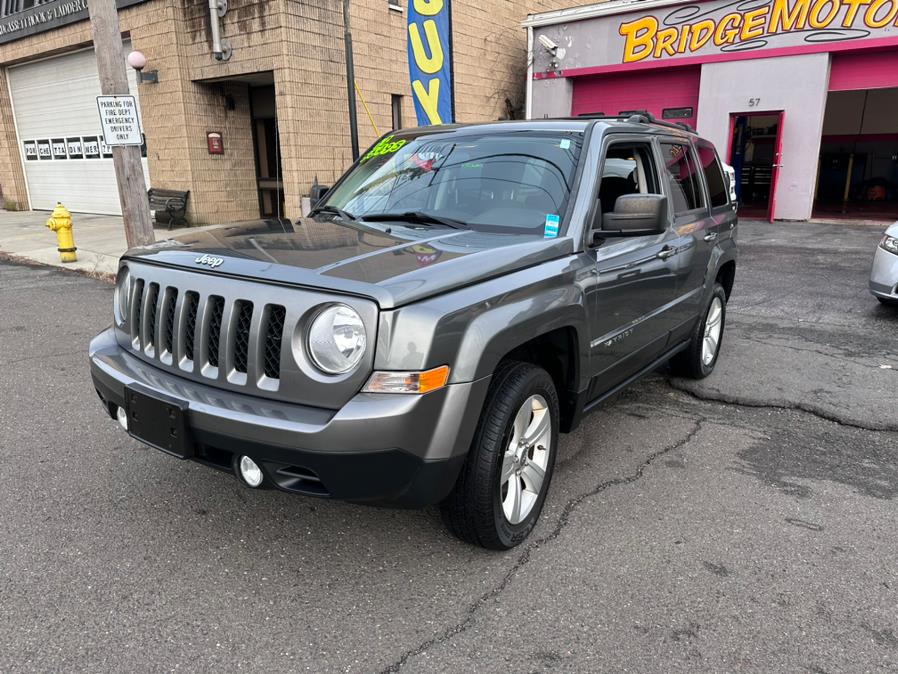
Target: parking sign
column 121, row 123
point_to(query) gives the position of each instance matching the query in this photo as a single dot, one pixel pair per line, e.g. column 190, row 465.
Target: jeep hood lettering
column 392, row 264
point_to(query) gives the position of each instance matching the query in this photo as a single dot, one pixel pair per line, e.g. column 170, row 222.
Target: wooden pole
column 350, row 83
column 126, row 159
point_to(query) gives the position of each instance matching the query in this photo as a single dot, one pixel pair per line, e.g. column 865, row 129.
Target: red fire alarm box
column 215, row 142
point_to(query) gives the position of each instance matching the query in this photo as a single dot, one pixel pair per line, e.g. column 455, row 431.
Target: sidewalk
column 100, row 239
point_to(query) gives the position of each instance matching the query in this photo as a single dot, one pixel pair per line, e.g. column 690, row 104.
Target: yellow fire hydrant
column 61, row 223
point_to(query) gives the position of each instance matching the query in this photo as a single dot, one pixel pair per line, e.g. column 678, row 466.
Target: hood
column 391, row 264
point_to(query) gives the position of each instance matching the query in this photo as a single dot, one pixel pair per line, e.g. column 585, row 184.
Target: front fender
column 472, row 328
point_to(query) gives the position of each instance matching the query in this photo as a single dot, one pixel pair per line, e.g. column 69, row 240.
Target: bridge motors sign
column 718, row 30
column 748, row 25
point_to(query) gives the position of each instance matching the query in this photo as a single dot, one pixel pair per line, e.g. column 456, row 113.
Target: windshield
column 504, row 181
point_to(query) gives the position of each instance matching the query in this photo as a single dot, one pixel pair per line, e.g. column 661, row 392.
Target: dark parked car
column 461, row 296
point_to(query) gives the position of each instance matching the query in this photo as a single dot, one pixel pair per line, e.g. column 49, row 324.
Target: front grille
column 241, row 335
column 216, row 313
column 152, row 302
column 274, row 332
column 192, row 303
column 168, row 331
column 193, row 335
column 137, row 313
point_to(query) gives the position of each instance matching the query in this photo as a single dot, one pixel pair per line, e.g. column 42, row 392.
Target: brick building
column 279, row 101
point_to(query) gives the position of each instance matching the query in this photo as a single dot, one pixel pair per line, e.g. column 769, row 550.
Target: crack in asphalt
column 832, row 356
column 524, row 557
column 799, row 407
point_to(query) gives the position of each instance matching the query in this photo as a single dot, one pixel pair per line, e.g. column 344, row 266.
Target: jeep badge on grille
column 210, row 260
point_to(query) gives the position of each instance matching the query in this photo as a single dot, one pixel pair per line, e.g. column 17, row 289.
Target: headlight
column 337, row 339
column 122, row 295
column 890, row 243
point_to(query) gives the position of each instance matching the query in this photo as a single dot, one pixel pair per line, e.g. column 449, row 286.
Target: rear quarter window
column 714, row 178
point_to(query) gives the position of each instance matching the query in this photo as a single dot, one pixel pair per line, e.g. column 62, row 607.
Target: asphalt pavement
column 743, row 523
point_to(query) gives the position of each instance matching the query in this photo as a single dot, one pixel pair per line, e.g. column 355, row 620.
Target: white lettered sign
column 121, row 123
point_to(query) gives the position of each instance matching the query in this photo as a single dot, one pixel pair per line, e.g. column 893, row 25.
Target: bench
column 170, row 206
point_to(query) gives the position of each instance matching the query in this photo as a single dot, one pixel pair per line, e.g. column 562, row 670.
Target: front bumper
column 884, row 275
column 405, row 450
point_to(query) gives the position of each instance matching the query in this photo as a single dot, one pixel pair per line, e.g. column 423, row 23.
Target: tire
column 480, row 509
column 694, row 361
column 888, row 301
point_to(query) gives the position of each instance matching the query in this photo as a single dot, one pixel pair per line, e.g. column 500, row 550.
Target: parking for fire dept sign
column 121, row 123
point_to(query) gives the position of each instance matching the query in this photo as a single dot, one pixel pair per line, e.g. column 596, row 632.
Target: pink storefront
column 800, row 96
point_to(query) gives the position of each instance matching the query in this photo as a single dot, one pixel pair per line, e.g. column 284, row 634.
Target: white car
column 884, row 274
column 730, row 173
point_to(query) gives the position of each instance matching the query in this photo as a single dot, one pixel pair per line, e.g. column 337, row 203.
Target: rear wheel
column 503, row 484
column 700, row 357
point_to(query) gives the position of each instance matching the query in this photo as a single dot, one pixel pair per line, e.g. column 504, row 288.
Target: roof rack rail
column 641, row 117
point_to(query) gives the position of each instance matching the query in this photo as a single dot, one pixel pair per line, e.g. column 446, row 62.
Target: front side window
column 682, row 178
column 717, row 187
column 628, row 169
column 502, row 181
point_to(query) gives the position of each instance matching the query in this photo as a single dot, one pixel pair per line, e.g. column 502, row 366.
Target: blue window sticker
column 565, row 144
column 552, row 224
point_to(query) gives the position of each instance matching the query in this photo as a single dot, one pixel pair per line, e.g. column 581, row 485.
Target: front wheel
column 503, row 484
column 697, row 361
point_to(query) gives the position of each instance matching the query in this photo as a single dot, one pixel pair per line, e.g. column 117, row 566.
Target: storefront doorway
column 755, row 151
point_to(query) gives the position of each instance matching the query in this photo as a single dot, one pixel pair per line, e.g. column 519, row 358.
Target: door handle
column 710, row 236
column 665, row 253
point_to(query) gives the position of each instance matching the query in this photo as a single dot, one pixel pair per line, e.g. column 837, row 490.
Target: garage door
column 667, row 93
column 55, row 107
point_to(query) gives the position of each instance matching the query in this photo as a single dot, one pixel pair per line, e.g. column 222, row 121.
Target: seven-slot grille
column 208, row 335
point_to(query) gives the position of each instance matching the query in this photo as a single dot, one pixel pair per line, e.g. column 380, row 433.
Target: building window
column 395, row 5
column 676, row 113
column 396, row 101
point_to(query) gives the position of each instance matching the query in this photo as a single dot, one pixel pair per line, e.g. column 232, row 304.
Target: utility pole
column 132, row 189
column 350, row 83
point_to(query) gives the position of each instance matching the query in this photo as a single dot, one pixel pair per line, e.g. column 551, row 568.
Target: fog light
column 122, row 416
column 250, row 471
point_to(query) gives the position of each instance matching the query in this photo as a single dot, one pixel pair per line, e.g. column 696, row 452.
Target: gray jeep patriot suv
column 461, row 296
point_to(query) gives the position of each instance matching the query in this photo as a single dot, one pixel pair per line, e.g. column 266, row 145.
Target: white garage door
column 65, row 159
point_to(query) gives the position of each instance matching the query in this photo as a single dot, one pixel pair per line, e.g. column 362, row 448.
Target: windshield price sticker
column 121, row 123
column 385, row 147
column 552, row 224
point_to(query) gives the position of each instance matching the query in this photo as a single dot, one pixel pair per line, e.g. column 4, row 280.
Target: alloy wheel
column 525, row 460
column 713, row 326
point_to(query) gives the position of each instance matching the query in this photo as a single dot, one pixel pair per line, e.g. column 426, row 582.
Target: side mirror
column 635, row 215
column 317, row 193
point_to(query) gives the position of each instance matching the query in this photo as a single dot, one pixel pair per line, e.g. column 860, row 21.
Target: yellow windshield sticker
column 384, row 147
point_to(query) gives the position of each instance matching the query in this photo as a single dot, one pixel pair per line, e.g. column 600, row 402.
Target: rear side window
column 717, row 187
column 682, row 178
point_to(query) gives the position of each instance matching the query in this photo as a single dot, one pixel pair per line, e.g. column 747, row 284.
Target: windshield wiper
column 417, row 217
column 332, row 209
